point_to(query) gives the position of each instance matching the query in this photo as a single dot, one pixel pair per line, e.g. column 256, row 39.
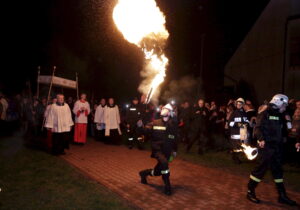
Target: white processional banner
column 57, row 81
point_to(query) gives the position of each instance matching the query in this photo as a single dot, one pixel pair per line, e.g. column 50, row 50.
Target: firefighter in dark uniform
column 238, row 122
column 269, row 133
column 163, row 135
column 133, row 115
column 198, row 127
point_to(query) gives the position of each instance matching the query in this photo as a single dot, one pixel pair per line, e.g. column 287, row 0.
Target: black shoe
column 168, row 190
column 143, row 175
column 282, row 198
column 130, row 147
column 285, row 200
column 252, row 197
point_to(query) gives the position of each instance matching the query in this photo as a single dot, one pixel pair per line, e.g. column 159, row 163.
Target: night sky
column 80, row 36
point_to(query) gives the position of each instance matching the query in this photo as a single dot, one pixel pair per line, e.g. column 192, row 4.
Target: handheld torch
column 149, row 95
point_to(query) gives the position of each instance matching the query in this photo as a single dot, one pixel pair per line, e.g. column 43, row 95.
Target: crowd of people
column 271, row 128
column 205, row 123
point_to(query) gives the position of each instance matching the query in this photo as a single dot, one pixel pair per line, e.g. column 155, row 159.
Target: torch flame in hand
column 143, row 24
column 250, row 152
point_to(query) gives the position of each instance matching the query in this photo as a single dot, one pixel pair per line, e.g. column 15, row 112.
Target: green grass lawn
column 31, row 179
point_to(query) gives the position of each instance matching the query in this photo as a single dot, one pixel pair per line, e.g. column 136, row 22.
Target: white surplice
column 82, row 118
column 112, row 119
column 59, row 118
column 99, row 117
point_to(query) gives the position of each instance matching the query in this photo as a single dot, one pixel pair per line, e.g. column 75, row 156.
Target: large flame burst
column 143, row 24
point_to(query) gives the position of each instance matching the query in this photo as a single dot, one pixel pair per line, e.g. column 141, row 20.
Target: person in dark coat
column 251, row 115
column 133, row 115
column 198, row 127
column 184, row 121
column 163, row 134
column 238, row 122
column 269, row 133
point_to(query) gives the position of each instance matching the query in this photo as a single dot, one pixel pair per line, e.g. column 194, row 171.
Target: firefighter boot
column 282, row 195
column 166, row 180
column 144, row 174
column 251, row 191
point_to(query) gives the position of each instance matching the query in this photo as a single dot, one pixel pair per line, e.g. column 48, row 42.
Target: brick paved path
column 194, row 186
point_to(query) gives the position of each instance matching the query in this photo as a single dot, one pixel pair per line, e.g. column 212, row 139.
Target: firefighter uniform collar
column 273, row 111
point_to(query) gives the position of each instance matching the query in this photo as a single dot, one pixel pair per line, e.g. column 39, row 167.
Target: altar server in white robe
column 112, row 122
column 49, row 133
column 81, row 110
column 59, row 121
column 99, row 120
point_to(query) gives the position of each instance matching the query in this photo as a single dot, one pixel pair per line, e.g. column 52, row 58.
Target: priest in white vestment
column 59, row 121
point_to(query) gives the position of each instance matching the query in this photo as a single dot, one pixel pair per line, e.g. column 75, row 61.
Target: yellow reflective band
column 278, row 180
column 162, row 128
column 254, row 178
column 165, row 171
column 273, row 118
column 171, row 136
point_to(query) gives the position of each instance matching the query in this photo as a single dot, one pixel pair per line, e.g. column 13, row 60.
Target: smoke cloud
column 186, row 88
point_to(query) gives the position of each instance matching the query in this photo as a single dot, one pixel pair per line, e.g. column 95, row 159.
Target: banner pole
column 53, row 72
column 77, row 86
column 50, row 88
column 38, row 84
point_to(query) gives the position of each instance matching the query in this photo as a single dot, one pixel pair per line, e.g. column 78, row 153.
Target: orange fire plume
column 142, row 23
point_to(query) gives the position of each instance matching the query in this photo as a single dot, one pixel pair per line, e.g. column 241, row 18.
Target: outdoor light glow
column 143, row 24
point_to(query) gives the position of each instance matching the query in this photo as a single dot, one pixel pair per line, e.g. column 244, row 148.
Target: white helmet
column 240, row 100
column 280, row 101
column 166, row 110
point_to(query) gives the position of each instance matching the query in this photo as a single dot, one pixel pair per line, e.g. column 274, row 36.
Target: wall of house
column 259, row 60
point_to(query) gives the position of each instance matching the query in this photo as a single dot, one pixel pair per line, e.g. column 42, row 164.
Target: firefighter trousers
column 269, row 157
